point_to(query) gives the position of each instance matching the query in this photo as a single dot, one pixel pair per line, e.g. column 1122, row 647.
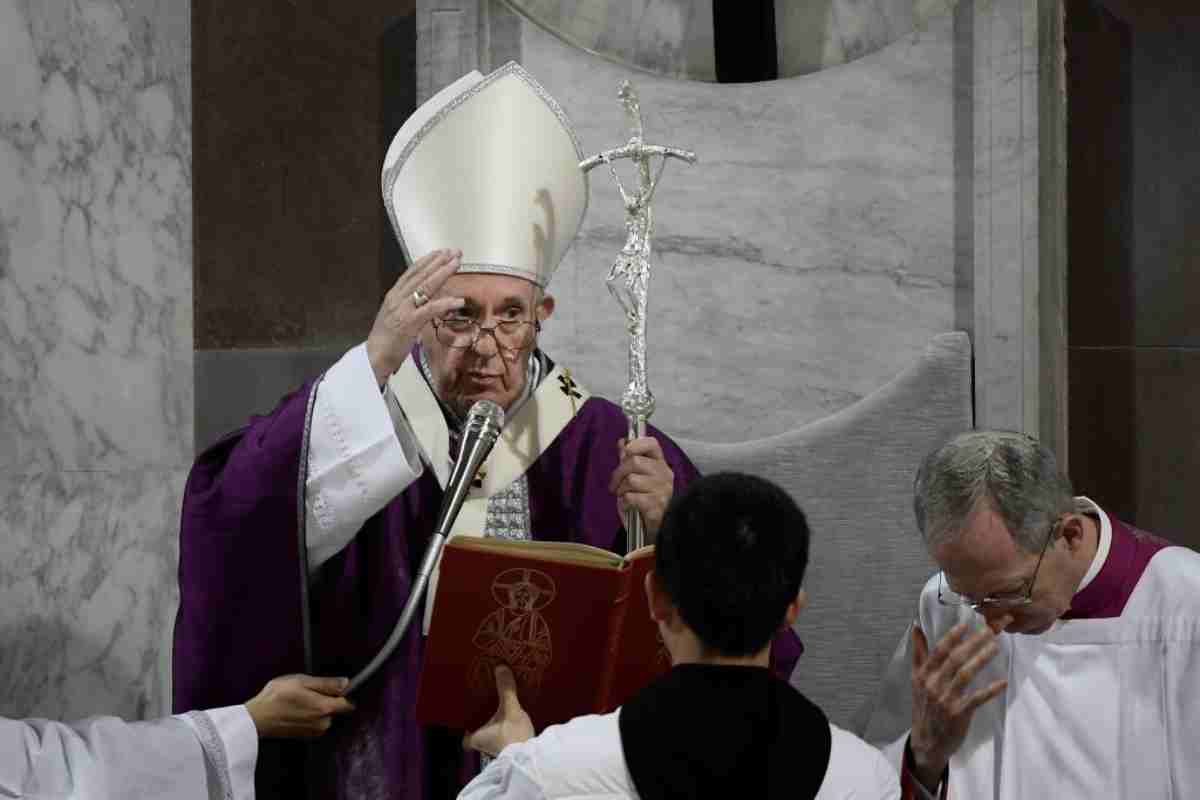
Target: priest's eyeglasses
column 1000, row 602
column 510, row 335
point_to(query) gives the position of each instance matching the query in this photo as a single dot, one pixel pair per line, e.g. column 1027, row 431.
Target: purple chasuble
column 1129, row 554
column 244, row 598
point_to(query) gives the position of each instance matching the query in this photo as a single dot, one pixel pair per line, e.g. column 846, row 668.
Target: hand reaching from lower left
column 298, row 706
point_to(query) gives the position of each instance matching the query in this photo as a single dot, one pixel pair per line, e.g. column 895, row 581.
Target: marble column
column 457, row 36
column 95, row 350
column 1003, row 38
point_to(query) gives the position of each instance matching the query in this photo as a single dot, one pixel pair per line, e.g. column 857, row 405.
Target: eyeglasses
column 462, row 333
column 1004, row 602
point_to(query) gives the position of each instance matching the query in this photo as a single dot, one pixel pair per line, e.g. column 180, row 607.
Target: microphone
column 484, row 421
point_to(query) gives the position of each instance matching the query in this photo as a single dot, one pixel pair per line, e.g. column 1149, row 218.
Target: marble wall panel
column 1003, row 39
column 447, row 42
column 800, row 265
column 675, row 38
column 667, row 37
column 87, row 592
column 295, row 107
column 95, row 213
column 448, row 29
column 457, row 36
column 1166, row 189
column 95, row 349
column 886, row 199
column 233, row 385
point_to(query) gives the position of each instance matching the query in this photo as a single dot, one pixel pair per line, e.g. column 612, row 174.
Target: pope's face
column 484, row 371
column 986, row 562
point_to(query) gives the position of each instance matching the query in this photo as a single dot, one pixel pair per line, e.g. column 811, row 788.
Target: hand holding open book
column 571, row 621
column 508, row 725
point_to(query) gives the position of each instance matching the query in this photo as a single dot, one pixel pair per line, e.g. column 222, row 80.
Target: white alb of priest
column 1102, row 654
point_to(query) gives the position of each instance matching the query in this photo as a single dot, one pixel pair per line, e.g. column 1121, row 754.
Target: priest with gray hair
column 1057, row 651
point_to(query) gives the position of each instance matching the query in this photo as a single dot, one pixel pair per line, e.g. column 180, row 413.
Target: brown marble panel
column 1135, row 435
column 1099, row 178
column 233, row 385
column 1155, row 14
column 1102, row 427
column 293, row 108
column 1166, row 187
column 1134, row 180
column 1167, row 463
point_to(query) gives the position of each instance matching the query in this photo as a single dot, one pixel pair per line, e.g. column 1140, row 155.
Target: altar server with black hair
column 729, row 562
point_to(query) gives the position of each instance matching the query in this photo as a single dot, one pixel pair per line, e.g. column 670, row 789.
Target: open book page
column 566, row 552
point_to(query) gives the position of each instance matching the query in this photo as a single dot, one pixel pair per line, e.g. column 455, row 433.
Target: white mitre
column 490, row 166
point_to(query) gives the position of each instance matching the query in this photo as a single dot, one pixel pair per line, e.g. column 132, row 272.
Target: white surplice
column 583, row 759
column 202, row 755
column 1102, row 707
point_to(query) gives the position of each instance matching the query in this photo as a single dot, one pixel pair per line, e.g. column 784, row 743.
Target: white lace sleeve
column 361, row 455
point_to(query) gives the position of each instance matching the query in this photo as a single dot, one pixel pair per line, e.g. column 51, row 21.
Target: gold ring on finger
column 419, row 297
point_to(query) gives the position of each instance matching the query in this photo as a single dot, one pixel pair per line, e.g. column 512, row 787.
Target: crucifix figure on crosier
column 629, row 277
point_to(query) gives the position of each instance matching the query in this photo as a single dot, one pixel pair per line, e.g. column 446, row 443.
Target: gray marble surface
column 87, row 592
column 675, row 38
column 836, row 219
column 95, row 348
column 95, row 213
column 804, row 261
column 1003, row 38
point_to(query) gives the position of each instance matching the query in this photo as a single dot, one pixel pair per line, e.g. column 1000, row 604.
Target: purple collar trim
column 1128, row 556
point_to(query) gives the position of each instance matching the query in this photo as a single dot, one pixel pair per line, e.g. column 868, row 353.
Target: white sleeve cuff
column 353, row 399
column 238, row 741
column 359, row 458
column 240, row 738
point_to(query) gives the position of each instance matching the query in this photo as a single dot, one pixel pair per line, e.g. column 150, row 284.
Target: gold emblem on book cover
column 516, row 634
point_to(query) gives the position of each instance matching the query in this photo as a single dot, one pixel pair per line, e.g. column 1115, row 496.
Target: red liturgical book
column 572, row 621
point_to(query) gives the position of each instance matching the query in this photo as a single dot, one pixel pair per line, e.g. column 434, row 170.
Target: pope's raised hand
column 643, row 480
column 942, row 706
column 407, row 307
